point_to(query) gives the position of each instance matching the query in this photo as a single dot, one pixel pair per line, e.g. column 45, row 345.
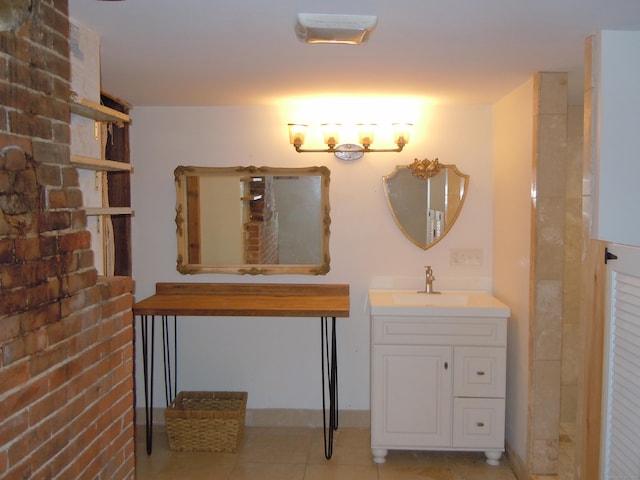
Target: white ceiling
column 245, row 52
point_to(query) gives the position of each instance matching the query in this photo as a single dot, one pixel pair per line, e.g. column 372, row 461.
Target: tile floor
column 284, row 453
column 567, row 454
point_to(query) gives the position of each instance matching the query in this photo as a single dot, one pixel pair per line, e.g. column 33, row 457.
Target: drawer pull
column 480, row 373
column 480, row 424
column 446, row 365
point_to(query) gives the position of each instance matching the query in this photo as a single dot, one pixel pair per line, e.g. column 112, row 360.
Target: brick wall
column 66, row 335
column 261, row 231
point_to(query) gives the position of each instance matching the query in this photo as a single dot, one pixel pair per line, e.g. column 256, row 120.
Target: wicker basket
column 206, row 421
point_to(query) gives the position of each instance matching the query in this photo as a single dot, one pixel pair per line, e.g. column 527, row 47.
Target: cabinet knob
column 480, row 424
column 480, row 373
column 446, row 365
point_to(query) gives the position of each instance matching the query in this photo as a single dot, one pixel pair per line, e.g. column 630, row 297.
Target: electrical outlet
column 466, row 256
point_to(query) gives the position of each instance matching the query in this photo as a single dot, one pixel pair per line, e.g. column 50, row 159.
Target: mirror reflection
column 252, row 220
column 425, row 199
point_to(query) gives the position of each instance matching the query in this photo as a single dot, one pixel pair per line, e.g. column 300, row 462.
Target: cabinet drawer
column 479, row 371
column 478, row 422
column 438, row 331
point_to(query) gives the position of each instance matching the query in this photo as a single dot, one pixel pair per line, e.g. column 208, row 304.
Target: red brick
column 13, row 351
column 35, row 341
column 85, row 258
column 117, row 305
column 74, row 241
column 53, row 18
column 57, row 198
column 46, row 359
column 27, row 248
column 48, row 246
column 25, row 396
column 13, row 301
column 16, row 275
column 74, row 197
column 19, row 472
column 61, row 90
column 15, row 159
column 54, row 220
column 47, row 405
column 49, row 174
column 115, row 286
column 41, row 127
column 41, row 82
column 53, row 153
column 51, row 307
column 19, row 449
column 61, row 134
column 126, row 468
column 48, row 449
column 9, row 327
column 12, row 376
column 75, row 302
column 7, row 250
column 4, row 464
column 38, row 318
column 14, row 426
column 77, row 281
column 69, row 176
column 45, row 473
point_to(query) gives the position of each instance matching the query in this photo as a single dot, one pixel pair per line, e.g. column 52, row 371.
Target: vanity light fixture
column 349, row 151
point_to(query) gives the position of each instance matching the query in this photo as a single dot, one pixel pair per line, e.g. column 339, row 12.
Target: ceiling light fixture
column 334, row 28
column 349, row 151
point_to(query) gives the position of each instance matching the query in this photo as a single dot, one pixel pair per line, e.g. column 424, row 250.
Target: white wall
column 277, row 360
column 513, row 137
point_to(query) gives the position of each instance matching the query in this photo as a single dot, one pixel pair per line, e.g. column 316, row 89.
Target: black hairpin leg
column 170, row 383
column 147, row 369
column 330, row 357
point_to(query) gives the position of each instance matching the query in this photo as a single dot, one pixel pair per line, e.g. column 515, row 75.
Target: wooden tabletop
column 246, row 299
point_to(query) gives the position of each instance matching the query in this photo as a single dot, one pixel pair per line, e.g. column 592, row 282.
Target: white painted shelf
column 90, row 163
column 97, row 112
column 93, row 211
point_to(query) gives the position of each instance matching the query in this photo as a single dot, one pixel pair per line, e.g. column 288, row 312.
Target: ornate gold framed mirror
column 425, row 199
column 252, row 220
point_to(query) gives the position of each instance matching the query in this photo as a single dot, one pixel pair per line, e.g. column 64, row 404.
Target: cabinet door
column 411, row 388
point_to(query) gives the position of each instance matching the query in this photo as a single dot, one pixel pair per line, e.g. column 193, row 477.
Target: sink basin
column 445, row 304
column 419, row 298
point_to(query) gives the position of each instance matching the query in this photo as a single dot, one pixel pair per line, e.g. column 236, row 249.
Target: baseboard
column 279, row 417
column 517, row 465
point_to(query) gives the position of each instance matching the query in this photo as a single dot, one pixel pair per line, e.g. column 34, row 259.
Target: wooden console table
column 240, row 299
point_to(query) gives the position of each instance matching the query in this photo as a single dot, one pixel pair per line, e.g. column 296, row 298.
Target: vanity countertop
column 452, row 303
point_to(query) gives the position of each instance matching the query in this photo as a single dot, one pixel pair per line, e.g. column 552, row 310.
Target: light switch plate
column 466, row 256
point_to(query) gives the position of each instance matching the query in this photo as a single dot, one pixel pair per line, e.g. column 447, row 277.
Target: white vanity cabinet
column 438, row 381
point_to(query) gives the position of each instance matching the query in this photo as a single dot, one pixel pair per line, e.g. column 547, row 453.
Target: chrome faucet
column 428, row 280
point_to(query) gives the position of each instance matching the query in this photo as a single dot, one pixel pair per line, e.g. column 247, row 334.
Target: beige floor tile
column 350, row 447
column 414, row 473
column 331, row 471
column 482, row 471
column 257, row 471
column 164, row 464
column 278, row 453
column 275, row 445
column 186, row 466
